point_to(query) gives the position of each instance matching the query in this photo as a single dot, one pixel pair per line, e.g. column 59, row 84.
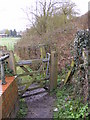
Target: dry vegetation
column 59, row 32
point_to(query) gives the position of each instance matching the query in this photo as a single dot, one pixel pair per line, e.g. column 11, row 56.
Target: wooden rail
column 29, row 62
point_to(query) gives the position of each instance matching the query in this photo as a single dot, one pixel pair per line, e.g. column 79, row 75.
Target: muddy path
column 40, row 106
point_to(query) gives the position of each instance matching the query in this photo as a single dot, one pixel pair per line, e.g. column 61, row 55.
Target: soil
column 41, row 105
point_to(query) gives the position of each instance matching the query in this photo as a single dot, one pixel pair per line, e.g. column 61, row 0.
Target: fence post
column 11, row 62
column 53, row 70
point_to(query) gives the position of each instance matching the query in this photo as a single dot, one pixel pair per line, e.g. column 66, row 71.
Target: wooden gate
column 44, row 75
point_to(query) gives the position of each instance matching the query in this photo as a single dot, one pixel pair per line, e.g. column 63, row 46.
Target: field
column 9, row 42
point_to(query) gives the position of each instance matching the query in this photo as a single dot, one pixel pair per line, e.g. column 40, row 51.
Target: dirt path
column 40, row 106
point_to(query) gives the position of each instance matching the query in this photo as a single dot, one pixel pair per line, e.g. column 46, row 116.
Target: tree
column 45, row 12
column 7, row 32
column 11, row 33
column 14, row 33
column 68, row 11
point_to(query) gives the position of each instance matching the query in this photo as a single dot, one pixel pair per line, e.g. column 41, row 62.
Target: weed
column 68, row 107
column 22, row 109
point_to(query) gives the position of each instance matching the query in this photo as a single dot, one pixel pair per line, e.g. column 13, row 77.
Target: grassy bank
column 9, row 42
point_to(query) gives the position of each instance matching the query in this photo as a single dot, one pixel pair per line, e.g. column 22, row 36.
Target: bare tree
column 45, row 10
column 68, row 10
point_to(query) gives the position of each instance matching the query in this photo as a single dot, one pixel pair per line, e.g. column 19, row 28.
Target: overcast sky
column 12, row 15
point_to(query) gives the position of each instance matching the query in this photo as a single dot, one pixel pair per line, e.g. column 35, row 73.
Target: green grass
column 9, row 42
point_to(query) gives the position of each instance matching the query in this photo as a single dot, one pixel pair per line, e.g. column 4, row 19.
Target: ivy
column 81, row 43
column 70, row 98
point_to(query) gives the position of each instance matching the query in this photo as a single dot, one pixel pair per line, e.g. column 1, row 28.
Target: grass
column 9, row 42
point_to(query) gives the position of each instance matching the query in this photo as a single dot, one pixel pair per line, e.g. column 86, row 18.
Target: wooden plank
column 25, row 74
column 70, row 72
column 28, row 85
column 31, row 89
column 29, row 62
column 33, row 94
column 25, row 69
column 34, row 88
column 30, row 73
column 23, row 91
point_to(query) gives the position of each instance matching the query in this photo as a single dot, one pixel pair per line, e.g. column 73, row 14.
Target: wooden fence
column 31, row 52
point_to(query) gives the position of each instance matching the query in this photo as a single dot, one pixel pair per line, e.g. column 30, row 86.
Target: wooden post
column 53, row 70
column 43, row 53
column 11, row 62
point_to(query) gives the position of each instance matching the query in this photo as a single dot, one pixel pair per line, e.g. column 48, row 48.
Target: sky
column 12, row 15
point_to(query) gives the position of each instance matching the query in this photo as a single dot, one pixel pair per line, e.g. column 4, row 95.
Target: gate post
column 53, row 70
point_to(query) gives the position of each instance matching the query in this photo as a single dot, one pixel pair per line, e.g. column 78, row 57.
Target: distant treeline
column 10, row 33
